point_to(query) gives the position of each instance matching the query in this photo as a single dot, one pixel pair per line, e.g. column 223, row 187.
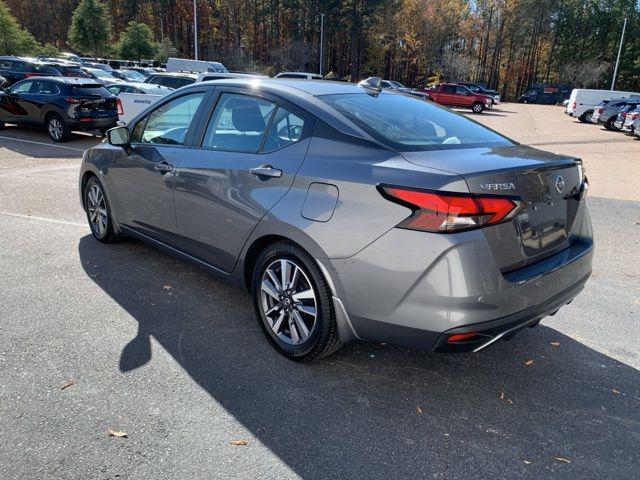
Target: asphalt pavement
column 125, row 338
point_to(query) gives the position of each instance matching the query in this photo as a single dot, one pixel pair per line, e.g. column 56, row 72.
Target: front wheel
column 477, row 107
column 293, row 303
column 99, row 212
column 586, row 117
column 57, row 129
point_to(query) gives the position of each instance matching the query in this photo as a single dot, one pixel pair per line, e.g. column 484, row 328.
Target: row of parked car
column 614, row 110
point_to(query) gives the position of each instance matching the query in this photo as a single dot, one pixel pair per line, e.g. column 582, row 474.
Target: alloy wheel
column 56, row 129
column 288, row 301
column 97, row 209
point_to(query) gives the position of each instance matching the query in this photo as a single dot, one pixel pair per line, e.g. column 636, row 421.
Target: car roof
column 71, row 81
column 176, row 74
column 140, row 85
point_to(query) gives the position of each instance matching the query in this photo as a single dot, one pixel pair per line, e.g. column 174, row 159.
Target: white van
column 583, row 101
column 195, row 66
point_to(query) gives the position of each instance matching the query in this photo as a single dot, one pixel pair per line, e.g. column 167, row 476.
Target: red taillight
column 450, row 212
column 120, row 109
column 600, row 110
column 72, row 100
column 459, row 337
column 573, row 107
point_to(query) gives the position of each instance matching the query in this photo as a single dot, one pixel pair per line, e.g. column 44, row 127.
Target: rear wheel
column 477, row 107
column 586, row 117
column 98, row 212
column 293, row 303
column 609, row 124
column 58, row 130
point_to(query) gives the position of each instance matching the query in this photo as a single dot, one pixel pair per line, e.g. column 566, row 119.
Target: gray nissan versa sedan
column 348, row 212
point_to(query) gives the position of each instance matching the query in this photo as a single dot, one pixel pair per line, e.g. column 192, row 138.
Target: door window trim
column 193, row 127
column 217, row 91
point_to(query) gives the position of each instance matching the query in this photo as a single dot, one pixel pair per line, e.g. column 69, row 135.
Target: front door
column 143, row 177
column 247, row 159
column 11, row 103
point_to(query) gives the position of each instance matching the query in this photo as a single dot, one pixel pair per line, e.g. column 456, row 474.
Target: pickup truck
column 454, row 95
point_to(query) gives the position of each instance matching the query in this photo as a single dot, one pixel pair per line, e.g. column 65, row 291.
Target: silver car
column 349, row 212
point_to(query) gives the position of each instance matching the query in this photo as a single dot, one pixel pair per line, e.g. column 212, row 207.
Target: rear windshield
column 74, row 72
column 92, row 90
column 406, row 123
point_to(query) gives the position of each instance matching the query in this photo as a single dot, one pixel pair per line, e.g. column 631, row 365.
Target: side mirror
column 118, row 136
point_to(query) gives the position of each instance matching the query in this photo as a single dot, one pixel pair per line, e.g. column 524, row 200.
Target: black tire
column 323, row 338
column 2, row 125
column 586, row 116
column 609, row 124
column 56, row 128
column 107, row 233
column 477, row 107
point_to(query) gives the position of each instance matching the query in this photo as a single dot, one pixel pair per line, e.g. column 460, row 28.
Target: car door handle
column 266, row 171
column 163, row 167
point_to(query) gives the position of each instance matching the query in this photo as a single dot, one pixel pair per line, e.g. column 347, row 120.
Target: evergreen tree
column 89, row 32
column 137, row 42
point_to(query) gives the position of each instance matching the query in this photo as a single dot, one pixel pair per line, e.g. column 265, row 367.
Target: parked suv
column 61, row 104
column 477, row 88
column 454, row 95
column 14, row 69
column 607, row 114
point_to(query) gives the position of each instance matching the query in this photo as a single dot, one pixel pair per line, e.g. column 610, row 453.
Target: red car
column 454, row 95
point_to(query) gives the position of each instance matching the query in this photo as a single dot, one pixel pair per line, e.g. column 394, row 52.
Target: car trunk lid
column 548, row 185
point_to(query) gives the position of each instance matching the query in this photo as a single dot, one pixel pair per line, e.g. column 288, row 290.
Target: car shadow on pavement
column 381, row 411
column 36, row 143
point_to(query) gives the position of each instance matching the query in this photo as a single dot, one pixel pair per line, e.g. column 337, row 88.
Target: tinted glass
column 449, row 88
column 75, row 72
column 411, row 124
column 45, row 88
column 286, row 128
column 23, row 87
column 462, row 90
column 91, row 90
column 115, row 89
column 45, row 70
column 169, row 123
column 5, row 64
column 238, row 123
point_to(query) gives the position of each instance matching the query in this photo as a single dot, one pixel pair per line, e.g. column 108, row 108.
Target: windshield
column 412, row 124
column 100, row 73
column 133, row 75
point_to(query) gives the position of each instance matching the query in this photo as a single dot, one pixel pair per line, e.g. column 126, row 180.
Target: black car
column 172, row 80
column 14, row 69
column 546, row 94
column 60, row 104
column 68, row 69
column 477, row 88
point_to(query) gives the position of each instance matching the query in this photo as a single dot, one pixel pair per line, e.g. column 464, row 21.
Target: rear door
column 249, row 152
column 11, row 103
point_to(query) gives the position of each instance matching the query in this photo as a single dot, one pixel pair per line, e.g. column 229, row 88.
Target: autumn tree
column 14, row 40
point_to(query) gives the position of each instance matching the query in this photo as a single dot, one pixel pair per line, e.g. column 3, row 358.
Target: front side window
column 411, row 124
column 238, row 123
column 169, row 123
column 286, row 128
column 462, row 90
column 43, row 87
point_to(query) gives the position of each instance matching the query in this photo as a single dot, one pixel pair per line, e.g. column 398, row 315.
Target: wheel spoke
column 295, row 276
column 269, row 289
column 308, row 310
column 285, row 272
column 274, row 279
column 276, row 325
column 304, row 331
column 293, row 331
column 304, row 295
column 272, row 309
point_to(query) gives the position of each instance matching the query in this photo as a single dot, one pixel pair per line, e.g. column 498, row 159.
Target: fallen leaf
column 505, row 399
column 68, row 384
column 562, row 459
column 555, row 344
column 239, row 442
column 617, row 392
column 116, row 433
column 528, row 362
column 418, row 409
column 527, row 462
column 167, row 287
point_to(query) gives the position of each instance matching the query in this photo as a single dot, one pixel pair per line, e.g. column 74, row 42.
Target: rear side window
column 169, row 123
column 286, row 128
column 5, row 65
column 449, row 88
column 91, row 90
column 238, row 123
column 45, row 70
column 45, row 88
column 412, row 124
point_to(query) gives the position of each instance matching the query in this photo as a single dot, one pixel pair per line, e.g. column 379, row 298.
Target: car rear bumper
column 94, row 123
column 415, row 288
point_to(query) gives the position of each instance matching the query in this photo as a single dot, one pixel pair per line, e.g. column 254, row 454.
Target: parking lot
column 157, row 349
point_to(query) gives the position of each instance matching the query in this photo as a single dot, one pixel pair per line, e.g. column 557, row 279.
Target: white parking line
column 45, row 219
column 42, row 143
